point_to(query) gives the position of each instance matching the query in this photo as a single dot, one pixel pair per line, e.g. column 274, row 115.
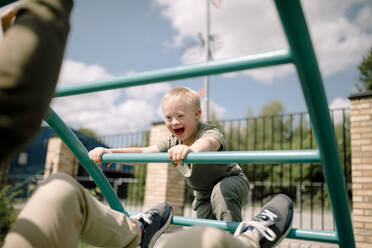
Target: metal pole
column 207, row 48
column 272, row 58
column 295, row 27
column 275, row 156
column 81, row 153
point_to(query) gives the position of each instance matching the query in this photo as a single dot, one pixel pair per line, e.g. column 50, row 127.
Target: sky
column 115, row 38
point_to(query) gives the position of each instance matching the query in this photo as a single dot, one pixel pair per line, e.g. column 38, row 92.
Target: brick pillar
column 59, row 158
column 163, row 181
column 361, row 150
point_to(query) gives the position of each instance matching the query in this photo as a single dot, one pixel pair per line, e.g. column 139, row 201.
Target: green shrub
column 7, row 212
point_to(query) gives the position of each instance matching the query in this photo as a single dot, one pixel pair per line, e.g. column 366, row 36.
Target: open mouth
column 179, row 131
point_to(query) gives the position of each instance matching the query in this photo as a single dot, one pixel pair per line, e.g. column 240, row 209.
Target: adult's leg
column 229, row 196
column 61, row 210
column 208, row 237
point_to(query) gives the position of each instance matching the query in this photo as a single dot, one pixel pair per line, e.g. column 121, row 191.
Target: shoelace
column 261, row 226
column 145, row 216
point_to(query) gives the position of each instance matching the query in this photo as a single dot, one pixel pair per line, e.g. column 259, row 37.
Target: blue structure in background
column 31, row 160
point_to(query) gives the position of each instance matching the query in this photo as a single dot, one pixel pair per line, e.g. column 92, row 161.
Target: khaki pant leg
column 207, row 237
column 61, row 210
column 229, row 196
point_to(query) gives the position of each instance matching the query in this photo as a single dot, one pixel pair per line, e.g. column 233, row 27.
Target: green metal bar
column 298, row 156
column 295, row 233
column 82, row 154
column 224, row 225
column 313, row 235
column 207, row 68
column 6, row 2
column 293, row 21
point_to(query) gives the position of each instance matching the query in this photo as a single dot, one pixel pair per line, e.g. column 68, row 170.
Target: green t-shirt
column 202, row 176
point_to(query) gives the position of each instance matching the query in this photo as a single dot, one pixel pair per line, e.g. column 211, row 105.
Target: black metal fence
column 135, row 185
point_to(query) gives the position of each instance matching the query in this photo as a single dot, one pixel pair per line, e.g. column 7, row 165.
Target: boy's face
column 181, row 119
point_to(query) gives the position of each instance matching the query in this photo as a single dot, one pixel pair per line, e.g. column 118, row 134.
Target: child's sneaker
column 272, row 224
column 155, row 221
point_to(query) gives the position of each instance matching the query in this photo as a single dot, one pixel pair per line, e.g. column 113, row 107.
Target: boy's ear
column 198, row 114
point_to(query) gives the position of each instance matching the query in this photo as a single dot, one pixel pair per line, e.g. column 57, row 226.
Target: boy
column 220, row 190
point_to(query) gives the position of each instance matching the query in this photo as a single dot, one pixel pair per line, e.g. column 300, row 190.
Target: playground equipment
column 301, row 54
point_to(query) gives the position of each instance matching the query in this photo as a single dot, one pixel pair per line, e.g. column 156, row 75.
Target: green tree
column 7, row 212
column 250, row 112
column 215, row 121
column 136, row 190
column 274, row 107
column 365, row 69
column 90, row 133
column 272, row 130
column 266, row 132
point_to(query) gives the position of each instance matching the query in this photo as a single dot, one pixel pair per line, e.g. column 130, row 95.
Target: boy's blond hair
column 188, row 95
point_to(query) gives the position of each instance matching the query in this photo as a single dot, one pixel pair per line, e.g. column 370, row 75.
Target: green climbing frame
column 301, row 54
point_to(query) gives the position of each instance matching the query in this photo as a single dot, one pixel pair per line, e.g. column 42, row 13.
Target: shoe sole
column 160, row 231
column 289, row 229
column 284, row 236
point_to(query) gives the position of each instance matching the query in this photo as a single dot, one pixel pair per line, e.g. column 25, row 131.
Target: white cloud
column 148, row 92
column 247, row 27
column 79, row 72
column 339, row 43
column 218, row 109
column 339, row 103
column 107, row 112
column 268, row 75
column 363, row 18
column 214, row 108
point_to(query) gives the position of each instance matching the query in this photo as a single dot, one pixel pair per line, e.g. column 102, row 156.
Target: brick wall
column 59, row 158
column 361, row 145
column 163, row 181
